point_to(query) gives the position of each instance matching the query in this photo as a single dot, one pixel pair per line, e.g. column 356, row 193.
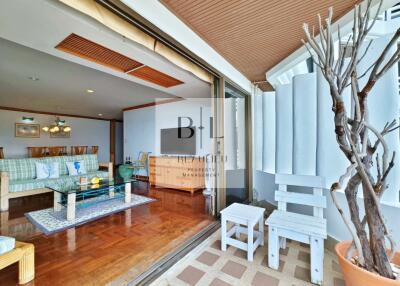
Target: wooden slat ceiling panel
column 89, row 50
column 254, row 35
column 155, row 76
column 84, row 48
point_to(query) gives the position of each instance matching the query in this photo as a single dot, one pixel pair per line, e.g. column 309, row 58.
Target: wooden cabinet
column 175, row 172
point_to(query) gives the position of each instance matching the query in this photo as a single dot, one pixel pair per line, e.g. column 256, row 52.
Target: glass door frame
column 218, row 144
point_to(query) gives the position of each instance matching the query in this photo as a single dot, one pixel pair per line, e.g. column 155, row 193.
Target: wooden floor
column 120, row 246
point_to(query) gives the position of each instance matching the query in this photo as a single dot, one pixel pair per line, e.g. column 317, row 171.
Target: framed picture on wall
column 60, row 134
column 27, row 130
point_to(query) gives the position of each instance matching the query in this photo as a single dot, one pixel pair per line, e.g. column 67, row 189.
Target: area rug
column 49, row 221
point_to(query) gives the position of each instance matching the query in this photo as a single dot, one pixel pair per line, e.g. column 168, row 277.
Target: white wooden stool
column 245, row 218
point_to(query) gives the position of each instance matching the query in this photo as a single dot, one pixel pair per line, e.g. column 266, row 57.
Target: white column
column 284, row 129
column 304, row 124
column 268, row 153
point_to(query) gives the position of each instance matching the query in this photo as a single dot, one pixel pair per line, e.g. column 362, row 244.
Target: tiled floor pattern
column 208, row 265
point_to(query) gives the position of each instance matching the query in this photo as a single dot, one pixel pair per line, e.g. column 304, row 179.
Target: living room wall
column 85, row 132
column 142, row 126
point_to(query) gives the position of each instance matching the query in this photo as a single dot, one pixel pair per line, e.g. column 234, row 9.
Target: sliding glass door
column 236, row 145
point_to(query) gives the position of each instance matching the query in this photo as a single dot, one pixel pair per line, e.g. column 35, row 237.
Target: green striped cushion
column 19, row 169
column 32, row 184
column 24, row 169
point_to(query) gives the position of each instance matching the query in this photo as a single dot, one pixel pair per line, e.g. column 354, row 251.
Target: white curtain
column 268, row 155
column 258, row 130
column 230, row 134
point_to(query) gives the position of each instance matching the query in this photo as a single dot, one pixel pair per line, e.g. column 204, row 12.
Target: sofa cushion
column 19, row 169
column 24, row 169
column 31, row 184
column 76, row 168
column 91, row 162
column 6, row 244
column 47, row 170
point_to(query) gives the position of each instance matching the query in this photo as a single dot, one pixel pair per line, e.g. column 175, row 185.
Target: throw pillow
column 76, row 168
column 47, row 170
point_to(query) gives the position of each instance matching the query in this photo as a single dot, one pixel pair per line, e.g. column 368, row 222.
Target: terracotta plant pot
column 356, row 276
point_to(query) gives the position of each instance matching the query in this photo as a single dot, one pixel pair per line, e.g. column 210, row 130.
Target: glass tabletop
column 75, row 187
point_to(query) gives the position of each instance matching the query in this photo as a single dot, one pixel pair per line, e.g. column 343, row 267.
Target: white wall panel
column 284, row 129
column 383, row 103
column 258, row 131
column 85, row 132
column 304, row 124
column 142, row 126
column 269, row 132
column 331, row 162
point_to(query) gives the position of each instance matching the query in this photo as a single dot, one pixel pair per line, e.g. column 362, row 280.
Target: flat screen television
column 173, row 145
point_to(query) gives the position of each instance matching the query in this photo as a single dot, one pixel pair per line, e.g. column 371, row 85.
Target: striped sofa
column 18, row 176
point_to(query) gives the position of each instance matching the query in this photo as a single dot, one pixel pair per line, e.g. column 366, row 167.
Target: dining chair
column 79, row 150
column 1, row 153
column 36, row 152
column 95, row 149
column 56, row 151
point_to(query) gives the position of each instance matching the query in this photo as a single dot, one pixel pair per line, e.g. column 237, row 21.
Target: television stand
column 185, row 173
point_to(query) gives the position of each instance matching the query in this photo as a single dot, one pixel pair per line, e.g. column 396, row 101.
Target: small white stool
column 245, row 218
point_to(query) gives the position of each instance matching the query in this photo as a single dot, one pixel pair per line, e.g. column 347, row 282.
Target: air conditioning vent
column 155, row 76
column 94, row 52
column 86, row 49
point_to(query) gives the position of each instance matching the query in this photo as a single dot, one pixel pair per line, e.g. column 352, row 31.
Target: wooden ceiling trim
column 155, row 76
column 154, row 103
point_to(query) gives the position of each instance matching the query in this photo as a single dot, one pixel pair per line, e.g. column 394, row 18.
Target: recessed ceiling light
column 89, row 90
column 34, row 78
column 100, row 114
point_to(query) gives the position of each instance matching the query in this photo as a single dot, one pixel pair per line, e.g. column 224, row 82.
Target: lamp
column 27, row 119
column 58, row 126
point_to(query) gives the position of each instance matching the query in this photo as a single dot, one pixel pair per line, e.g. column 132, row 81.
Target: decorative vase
column 125, row 172
column 356, row 276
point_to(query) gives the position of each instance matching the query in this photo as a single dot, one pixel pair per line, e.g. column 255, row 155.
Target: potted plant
column 367, row 259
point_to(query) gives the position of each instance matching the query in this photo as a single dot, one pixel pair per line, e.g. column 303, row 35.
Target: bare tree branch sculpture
column 354, row 133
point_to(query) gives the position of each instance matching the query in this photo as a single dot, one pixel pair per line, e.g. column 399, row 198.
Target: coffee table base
column 71, row 200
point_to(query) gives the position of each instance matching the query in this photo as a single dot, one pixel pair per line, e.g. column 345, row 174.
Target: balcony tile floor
column 208, row 265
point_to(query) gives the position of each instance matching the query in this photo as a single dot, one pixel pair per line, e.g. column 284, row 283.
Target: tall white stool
column 245, row 218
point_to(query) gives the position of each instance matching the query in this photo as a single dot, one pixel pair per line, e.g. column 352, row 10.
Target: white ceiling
column 62, row 85
column 27, row 49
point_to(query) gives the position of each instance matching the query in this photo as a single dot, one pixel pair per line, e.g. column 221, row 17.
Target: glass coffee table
column 73, row 195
